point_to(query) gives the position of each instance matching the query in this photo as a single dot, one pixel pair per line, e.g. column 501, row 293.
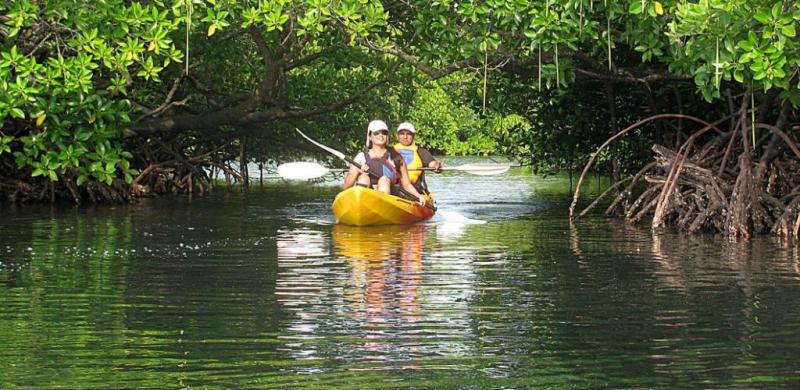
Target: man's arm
column 428, row 160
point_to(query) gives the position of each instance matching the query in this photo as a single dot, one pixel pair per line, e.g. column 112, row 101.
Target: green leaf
column 763, row 16
column 81, row 179
column 745, row 45
column 83, row 136
column 738, row 75
column 635, row 7
column 530, row 34
column 776, row 9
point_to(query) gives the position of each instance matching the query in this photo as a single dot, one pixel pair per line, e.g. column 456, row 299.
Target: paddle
column 303, row 170
column 327, row 149
column 309, row 170
column 475, row 169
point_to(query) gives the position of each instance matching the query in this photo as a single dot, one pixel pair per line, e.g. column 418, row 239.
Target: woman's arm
column 354, row 172
column 352, row 176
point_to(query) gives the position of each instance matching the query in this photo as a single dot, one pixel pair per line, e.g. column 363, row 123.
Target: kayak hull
column 361, row 206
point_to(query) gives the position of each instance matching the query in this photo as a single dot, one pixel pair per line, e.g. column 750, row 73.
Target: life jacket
column 412, row 160
column 385, row 165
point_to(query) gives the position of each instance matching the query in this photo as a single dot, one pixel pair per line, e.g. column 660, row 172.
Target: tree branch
column 242, row 114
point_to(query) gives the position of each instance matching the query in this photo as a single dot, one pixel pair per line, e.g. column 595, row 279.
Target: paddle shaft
column 483, row 170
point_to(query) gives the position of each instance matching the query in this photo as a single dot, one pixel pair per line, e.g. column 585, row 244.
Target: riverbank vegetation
column 691, row 106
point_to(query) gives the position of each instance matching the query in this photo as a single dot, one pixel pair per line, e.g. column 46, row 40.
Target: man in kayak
column 415, row 156
column 382, row 168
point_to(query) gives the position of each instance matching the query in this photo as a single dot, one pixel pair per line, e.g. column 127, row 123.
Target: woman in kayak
column 382, row 168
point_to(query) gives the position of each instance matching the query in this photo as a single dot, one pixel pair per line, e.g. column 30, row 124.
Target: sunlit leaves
column 107, row 52
column 5, row 144
column 758, row 46
column 658, row 8
column 149, row 70
column 216, row 19
column 651, row 8
column 20, row 14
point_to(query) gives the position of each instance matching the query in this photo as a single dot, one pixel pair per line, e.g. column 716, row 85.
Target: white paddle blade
column 301, row 170
column 483, row 169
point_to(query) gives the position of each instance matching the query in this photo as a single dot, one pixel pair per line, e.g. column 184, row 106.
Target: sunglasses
column 383, row 132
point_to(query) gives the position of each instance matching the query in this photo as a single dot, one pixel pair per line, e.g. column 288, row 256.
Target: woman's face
column 379, row 137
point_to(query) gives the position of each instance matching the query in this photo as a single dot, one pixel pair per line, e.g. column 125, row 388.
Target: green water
column 263, row 290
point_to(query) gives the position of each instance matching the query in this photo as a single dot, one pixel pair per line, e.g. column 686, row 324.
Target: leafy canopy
column 72, row 73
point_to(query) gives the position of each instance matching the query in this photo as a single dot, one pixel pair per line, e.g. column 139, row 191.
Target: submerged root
column 65, row 189
column 159, row 178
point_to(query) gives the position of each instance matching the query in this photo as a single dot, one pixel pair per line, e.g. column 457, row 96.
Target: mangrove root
column 715, row 181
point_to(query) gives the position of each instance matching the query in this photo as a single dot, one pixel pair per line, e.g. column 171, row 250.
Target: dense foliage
column 97, row 93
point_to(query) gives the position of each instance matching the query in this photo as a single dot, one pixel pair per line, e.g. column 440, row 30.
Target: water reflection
column 386, row 270
column 693, row 292
column 261, row 291
column 378, row 298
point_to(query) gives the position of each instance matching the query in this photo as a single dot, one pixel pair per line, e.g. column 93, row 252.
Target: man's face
column 405, row 137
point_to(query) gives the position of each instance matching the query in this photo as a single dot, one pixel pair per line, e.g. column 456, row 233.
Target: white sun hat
column 375, row 125
column 407, row 126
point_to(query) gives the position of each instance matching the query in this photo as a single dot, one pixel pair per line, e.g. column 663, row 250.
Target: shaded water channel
column 263, row 290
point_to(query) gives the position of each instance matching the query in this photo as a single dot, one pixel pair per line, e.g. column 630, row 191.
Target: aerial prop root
column 702, row 191
column 619, row 134
column 175, row 176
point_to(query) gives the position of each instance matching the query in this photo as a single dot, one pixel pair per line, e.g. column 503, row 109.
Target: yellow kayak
column 361, row 206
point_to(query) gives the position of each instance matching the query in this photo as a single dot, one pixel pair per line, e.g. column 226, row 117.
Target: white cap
column 377, row 125
column 407, row 126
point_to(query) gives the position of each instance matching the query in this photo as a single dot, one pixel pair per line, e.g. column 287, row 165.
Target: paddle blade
column 301, row 170
column 483, row 169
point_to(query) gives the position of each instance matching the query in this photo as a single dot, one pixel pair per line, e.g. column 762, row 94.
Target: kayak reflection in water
column 385, row 274
column 382, row 168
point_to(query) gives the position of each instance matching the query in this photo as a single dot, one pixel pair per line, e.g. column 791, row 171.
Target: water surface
column 498, row 290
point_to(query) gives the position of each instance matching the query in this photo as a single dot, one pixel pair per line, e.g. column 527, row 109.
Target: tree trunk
column 243, row 165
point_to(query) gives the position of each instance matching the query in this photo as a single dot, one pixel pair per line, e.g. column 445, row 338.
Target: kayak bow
column 361, row 206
